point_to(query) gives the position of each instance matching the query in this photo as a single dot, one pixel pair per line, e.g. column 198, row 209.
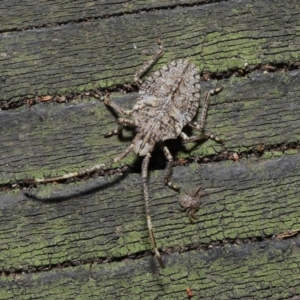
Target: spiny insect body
column 168, row 100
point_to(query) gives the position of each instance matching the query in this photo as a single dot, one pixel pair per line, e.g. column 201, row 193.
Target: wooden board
column 105, row 217
column 268, row 270
column 106, row 51
column 70, row 136
column 88, row 239
column 60, row 12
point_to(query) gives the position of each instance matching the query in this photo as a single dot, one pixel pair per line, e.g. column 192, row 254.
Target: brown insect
column 191, row 204
column 189, row 292
column 168, row 100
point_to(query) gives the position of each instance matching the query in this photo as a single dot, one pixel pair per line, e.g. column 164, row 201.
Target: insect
column 189, row 293
column 191, row 203
column 168, row 100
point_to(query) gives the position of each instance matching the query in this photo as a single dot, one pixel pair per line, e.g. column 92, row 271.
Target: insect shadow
column 79, row 191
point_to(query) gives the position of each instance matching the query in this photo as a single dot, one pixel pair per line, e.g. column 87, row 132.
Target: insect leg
column 185, row 137
column 146, row 66
column 126, row 122
column 121, row 121
column 82, row 172
column 146, row 197
column 196, row 204
column 202, row 193
column 116, row 107
column 119, row 130
column 168, row 174
column 200, row 126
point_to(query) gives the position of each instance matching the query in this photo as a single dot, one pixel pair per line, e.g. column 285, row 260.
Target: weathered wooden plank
column 266, row 270
column 40, row 13
column 105, row 218
column 102, row 52
column 52, row 139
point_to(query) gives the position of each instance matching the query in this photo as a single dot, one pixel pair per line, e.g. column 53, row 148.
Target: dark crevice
column 58, row 98
column 132, row 87
column 228, row 154
column 245, row 72
column 116, row 15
